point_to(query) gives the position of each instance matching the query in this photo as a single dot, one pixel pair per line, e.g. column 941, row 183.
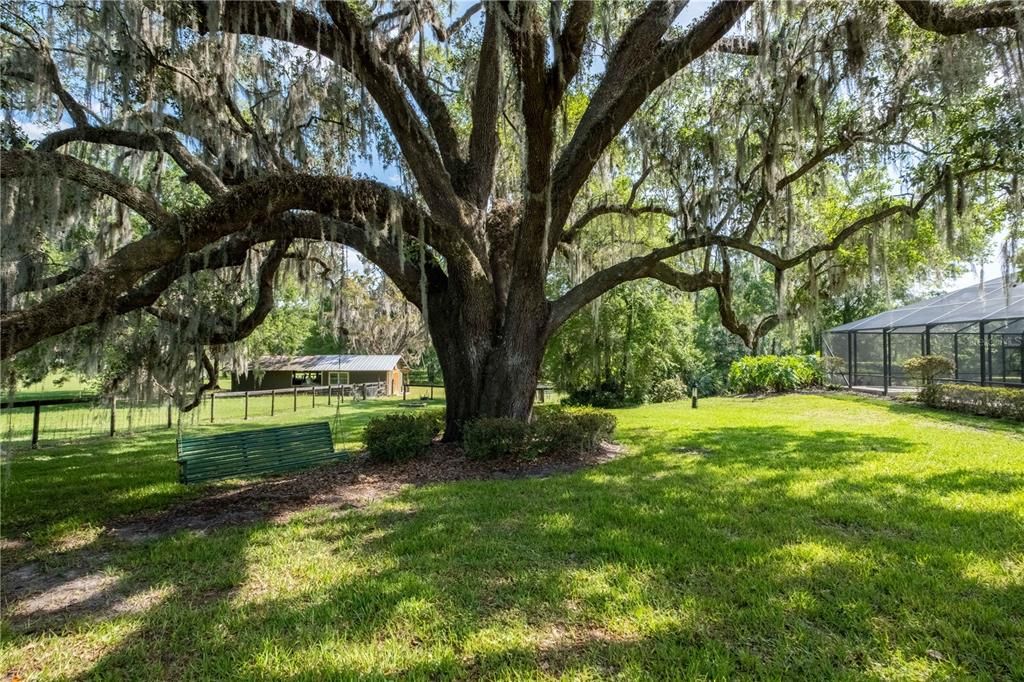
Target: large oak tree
column 210, row 136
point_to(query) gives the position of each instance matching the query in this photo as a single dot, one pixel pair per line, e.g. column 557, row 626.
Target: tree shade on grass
column 798, row 536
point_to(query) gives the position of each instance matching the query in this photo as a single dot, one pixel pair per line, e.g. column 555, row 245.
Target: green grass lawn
column 800, row 536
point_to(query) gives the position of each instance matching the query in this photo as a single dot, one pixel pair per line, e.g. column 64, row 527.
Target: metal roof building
column 980, row 328
column 285, row 371
column 329, row 363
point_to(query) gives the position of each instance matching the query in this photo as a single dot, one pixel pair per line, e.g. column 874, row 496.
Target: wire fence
column 55, row 421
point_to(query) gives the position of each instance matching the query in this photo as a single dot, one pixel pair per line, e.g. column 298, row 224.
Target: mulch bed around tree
column 353, row 482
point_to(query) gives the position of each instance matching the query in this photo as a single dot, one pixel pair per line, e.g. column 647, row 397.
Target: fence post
column 113, row 415
column 431, row 391
column 295, row 399
column 314, row 395
column 212, row 396
column 329, row 387
column 693, row 402
column 169, row 406
column 35, row 425
column 246, row 417
column 404, row 389
column 272, row 394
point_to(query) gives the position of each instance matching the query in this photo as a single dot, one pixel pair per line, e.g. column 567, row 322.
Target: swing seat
column 255, row 453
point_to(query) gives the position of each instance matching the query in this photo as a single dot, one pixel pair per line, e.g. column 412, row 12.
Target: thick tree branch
column 648, row 265
column 20, row 163
column 348, row 44
column 634, row 71
column 434, row 109
column 528, row 45
column 951, row 19
column 152, row 141
column 95, row 292
column 750, row 335
column 652, row 265
column 457, row 25
column 483, row 137
column 224, row 331
column 569, row 47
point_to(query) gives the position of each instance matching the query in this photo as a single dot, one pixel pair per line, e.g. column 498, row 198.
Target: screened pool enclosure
column 980, row 328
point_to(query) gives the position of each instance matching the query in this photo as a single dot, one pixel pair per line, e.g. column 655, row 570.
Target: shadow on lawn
column 729, row 562
column 133, row 475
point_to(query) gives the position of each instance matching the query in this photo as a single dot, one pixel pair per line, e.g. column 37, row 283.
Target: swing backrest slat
column 255, row 453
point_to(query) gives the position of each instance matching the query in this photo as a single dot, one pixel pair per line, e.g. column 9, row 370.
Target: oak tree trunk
column 490, row 357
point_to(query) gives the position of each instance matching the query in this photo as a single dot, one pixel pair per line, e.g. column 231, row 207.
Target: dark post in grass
column 169, row 406
column 295, row 399
column 693, row 399
column 246, row 416
column 212, row 396
column 314, row 395
column 113, row 416
column 35, row 425
column 272, row 394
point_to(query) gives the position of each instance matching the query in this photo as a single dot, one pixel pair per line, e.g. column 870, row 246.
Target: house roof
column 329, row 363
column 988, row 302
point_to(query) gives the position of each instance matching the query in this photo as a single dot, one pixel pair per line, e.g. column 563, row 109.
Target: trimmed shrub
column 988, row 401
column 928, row 368
column 667, row 390
column 399, row 436
column 778, row 373
column 493, row 437
column 573, row 429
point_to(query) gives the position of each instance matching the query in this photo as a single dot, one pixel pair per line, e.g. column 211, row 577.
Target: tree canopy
column 543, row 153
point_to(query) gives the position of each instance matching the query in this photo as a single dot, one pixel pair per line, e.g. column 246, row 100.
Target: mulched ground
column 353, row 482
column 36, row 596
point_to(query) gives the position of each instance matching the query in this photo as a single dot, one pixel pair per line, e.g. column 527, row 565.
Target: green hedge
column 570, row 428
column 987, row 401
column 778, row 373
column 493, row 437
column 554, row 429
column 401, row 435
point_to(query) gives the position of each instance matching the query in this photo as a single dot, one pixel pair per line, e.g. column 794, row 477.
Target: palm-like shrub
column 775, row 373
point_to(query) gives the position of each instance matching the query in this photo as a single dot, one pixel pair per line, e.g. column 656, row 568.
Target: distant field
column 56, row 386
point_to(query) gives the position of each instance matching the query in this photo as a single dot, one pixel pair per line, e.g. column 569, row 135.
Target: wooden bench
column 254, row 453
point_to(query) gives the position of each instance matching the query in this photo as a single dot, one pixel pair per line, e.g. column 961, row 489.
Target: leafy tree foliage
column 543, row 153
